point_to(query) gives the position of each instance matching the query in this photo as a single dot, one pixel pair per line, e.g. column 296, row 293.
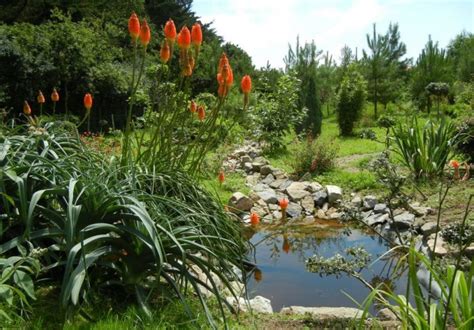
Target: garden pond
column 282, row 276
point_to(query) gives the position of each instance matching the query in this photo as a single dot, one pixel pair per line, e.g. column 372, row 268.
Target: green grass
column 233, row 182
column 353, row 181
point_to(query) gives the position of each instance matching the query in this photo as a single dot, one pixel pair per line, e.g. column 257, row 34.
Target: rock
column 320, row 214
column 440, row 248
column 334, row 193
column 252, row 179
column 268, row 196
column 324, row 313
column 204, row 278
column 294, row 210
column 256, row 166
column 245, row 218
column 279, row 174
column 238, row 202
column 273, row 207
column 267, row 219
column 376, row 219
column 268, row 179
column 369, row 202
column 421, row 211
column 265, row 170
column 308, row 220
column 277, row 215
column 277, row 183
column 306, row 177
column 380, row 208
column 245, row 159
column 255, row 197
column 356, row 201
column 259, row 210
column 428, row 228
column 308, row 203
column 296, row 191
column 404, row 220
column 260, row 187
column 320, row 197
column 241, row 152
column 385, row 314
column 335, row 216
column 248, row 167
column 261, row 160
column 258, row 304
column 237, row 287
column 325, row 207
column 285, row 184
column 314, row 187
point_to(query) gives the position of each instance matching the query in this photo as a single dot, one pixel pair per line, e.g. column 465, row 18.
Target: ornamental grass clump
column 425, row 149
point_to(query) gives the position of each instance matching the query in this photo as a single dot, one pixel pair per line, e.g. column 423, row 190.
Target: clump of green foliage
column 425, row 149
column 277, row 113
column 350, row 101
column 139, row 231
column 313, row 156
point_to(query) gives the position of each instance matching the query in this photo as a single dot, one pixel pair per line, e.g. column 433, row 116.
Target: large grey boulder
column 320, row 197
column 296, row 191
column 269, row 196
column 239, row 202
column 429, row 228
column 376, row 219
column 265, row 170
column 308, row 203
column 294, row 210
column 369, row 202
column 258, row 304
column 334, row 193
column 380, row 208
column 403, row 221
column 324, row 313
column 268, row 179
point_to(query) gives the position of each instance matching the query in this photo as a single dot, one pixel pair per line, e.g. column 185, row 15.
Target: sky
column 264, row 28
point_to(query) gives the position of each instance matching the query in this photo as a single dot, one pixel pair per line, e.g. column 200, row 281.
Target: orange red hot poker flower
column 254, row 218
column 170, row 31
column 221, row 177
column 26, row 109
column 145, row 33
column 201, row 113
column 40, row 98
column 165, row 52
column 134, row 26
column 184, row 38
column 54, row 95
column 88, row 101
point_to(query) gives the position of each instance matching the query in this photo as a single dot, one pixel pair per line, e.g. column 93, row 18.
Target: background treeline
column 79, row 46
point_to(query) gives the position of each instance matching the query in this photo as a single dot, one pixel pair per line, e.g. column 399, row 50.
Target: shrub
column 277, row 113
column 350, row 101
column 314, row 156
column 465, row 139
column 425, row 149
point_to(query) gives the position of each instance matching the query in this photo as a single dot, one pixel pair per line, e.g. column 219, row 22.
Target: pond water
column 282, row 277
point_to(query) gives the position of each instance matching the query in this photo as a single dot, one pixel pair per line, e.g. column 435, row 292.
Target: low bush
column 314, row 156
column 350, row 101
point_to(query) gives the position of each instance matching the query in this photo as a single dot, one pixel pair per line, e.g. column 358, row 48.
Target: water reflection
column 281, row 275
